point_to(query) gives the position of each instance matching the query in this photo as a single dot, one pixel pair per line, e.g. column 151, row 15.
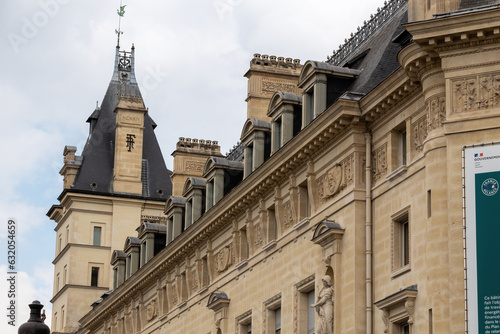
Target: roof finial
column 120, row 13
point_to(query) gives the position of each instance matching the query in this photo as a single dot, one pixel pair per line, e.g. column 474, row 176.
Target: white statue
column 324, row 307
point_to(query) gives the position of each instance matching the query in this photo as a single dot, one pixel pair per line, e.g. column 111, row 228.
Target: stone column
column 134, row 260
column 218, row 185
column 258, row 149
column 306, row 103
column 189, row 213
column 197, row 204
column 177, row 222
column 286, row 125
column 150, row 246
column 248, row 161
column 319, row 95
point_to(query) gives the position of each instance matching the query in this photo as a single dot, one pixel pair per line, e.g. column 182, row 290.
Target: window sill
column 303, row 222
column 399, row 171
column 241, row 264
column 269, row 245
column 400, row 271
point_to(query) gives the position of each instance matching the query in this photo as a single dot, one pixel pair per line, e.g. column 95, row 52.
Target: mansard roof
column 96, row 171
column 372, row 50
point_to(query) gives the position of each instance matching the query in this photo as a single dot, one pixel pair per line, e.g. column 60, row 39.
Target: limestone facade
column 368, row 191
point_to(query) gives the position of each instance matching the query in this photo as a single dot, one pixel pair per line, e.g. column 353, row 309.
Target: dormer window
column 118, row 260
column 256, row 136
column 221, row 175
column 153, row 240
column 322, row 84
column 174, row 210
column 194, row 192
column 132, row 251
column 286, row 114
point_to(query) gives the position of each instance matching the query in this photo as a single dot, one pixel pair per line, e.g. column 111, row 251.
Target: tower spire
column 120, row 13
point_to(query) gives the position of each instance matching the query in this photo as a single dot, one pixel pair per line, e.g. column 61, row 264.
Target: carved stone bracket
column 328, row 235
column 218, row 302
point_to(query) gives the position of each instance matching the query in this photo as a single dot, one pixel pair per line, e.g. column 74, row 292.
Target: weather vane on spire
column 120, row 13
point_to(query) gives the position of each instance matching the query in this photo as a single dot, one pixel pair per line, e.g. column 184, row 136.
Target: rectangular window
column 402, row 143
column 310, row 312
column 310, row 105
column 277, row 320
column 97, row 236
column 244, row 323
column 405, row 329
column 94, row 276
column 304, row 203
column 65, row 275
column 401, row 241
column 272, row 226
column 244, row 247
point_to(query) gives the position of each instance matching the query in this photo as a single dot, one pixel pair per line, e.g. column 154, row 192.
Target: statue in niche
column 324, row 307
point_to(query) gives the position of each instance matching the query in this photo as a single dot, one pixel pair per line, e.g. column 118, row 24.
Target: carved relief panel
column 224, row 258
column 336, row 179
column 380, row 162
column 477, row 92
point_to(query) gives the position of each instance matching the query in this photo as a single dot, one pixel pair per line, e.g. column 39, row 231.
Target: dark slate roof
column 96, row 172
column 377, row 57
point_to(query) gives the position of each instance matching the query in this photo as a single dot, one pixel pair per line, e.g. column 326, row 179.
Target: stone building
column 345, row 193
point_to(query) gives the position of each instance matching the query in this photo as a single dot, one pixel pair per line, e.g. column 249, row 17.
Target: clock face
column 489, row 187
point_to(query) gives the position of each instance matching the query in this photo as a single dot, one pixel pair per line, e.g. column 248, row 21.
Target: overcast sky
column 57, row 60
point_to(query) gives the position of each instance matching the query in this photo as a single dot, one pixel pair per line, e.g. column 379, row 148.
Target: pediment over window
column 151, row 227
column 217, row 299
column 173, row 201
column 252, row 125
column 281, row 98
column 326, row 232
column 117, row 256
column 131, row 242
column 222, row 163
column 193, row 183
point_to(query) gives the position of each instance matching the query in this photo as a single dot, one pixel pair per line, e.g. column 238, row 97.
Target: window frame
column 401, row 242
